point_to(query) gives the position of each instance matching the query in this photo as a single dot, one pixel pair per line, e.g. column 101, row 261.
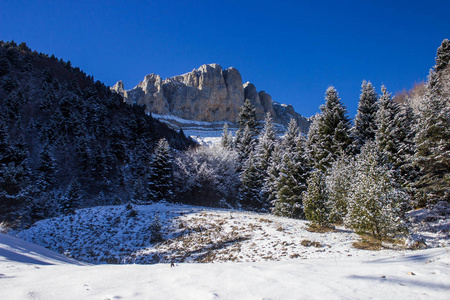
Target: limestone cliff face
column 208, row 94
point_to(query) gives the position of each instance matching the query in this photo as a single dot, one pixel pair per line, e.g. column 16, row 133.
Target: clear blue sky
column 291, row 49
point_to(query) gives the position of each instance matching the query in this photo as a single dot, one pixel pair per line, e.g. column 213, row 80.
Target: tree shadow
column 403, row 282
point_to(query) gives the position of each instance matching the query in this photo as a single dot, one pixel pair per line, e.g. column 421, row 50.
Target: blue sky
column 291, row 49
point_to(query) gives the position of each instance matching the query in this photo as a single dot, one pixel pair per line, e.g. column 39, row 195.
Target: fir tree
column 248, row 130
column 394, row 138
column 273, row 173
column 433, row 135
column 365, row 126
column 263, row 152
column 46, row 170
column 338, row 184
column 251, row 184
column 330, row 136
column 161, row 177
column 315, row 201
column 227, row 138
column 290, row 184
column 245, row 143
column 72, row 199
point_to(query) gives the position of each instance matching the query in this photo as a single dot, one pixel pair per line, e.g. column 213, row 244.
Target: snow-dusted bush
column 206, row 176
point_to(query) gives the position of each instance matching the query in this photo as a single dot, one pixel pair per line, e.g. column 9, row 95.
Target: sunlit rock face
column 208, row 94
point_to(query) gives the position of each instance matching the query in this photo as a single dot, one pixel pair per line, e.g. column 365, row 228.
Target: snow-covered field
column 254, row 256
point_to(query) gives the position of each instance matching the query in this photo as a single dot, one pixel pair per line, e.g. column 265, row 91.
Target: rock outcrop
column 208, row 94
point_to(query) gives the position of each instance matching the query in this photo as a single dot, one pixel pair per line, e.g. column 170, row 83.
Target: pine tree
column 315, row 201
column 338, row 184
column 365, row 126
column 245, row 143
column 251, row 184
column 394, row 138
column 227, row 138
column 329, row 137
column 46, row 170
column 72, row 198
column 263, row 152
column 376, row 205
column 161, row 177
column 290, row 184
column 433, row 135
column 273, row 173
column 248, row 130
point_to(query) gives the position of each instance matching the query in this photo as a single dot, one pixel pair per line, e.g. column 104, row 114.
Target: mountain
column 206, row 97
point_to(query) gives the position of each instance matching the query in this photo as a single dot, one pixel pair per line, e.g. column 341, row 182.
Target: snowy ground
column 254, row 256
column 28, row 271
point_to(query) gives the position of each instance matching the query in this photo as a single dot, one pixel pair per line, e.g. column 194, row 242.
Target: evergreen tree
column 387, row 135
column 365, row 126
column 161, row 177
column 338, row 184
column 330, row 136
column 248, row 130
column 433, row 135
column 227, row 138
column 376, row 205
column 273, row 173
column 245, row 143
column 394, row 138
column 46, row 170
column 315, row 201
column 290, row 184
column 251, row 184
column 72, row 199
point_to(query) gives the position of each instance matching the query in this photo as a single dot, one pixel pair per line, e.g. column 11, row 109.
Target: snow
column 253, row 256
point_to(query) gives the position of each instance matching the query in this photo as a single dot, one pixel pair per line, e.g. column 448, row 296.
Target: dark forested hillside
column 67, row 141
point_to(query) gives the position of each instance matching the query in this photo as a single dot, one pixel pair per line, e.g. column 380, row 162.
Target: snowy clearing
column 253, row 256
column 36, row 273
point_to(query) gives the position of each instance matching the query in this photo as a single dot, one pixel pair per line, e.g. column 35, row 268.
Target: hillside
column 66, row 139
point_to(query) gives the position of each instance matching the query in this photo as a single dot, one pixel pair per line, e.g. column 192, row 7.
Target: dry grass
column 368, row 243
column 320, row 229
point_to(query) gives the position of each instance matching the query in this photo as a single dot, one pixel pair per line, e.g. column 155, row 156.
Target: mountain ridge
column 207, row 94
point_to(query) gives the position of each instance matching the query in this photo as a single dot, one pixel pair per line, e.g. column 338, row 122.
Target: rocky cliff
column 207, row 94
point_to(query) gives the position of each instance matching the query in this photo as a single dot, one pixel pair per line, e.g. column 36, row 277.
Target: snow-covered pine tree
column 14, row 176
column 248, row 130
column 387, row 133
column 375, row 204
column 161, row 177
column 433, row 135
column 69, row 202
column 46, row 170
column 330, row 136
column 393, row 137
column 292, row 174
column 365, row 127
column 263, row 154
column 273, row 172
column 291, row 183
column 315, row 201
column 245, row 143
column 338, row 184
column 251, row 183
column 227, row 138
